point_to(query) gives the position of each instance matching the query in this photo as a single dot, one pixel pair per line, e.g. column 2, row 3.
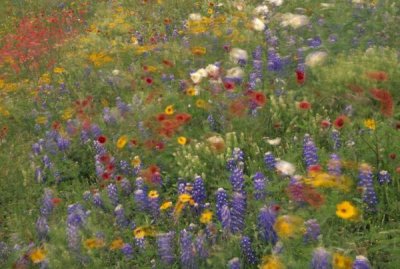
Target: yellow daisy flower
column 346, row 210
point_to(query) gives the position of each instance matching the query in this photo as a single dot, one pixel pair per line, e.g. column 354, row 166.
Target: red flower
column 134, row 142
column 237, row 108
column 149, row 80
column 161, row 117
column 325, row 123
column 105, row 176
column 392, row 156
column 102, row 139
column 183, row 117
column 300, row 76
column 315, row 168
column 168, row 63
column 377, row 75
column 55, row 201
column 104, row 159
column 304, row 105
column 385, row 99
column 340, row 121
column 229, row 85
column 258, row 98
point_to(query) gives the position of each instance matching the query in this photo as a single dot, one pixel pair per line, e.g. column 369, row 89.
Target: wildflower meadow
column 197, row 134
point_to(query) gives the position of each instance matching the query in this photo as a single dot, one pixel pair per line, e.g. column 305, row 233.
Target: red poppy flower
column 315, row 168
column 304, row 105
column 300, row 76
column 229, row 85
column 104, row 159
column 149, row 80
column 55, row 201
column 339, row 121
column 237, row 108
column 258, row 98
column 102, row 139
column 110, row 167
column 118, row 178
column 183, row 117
column 105, row 176
column 170, row 124
column 161, row 117
column 377, row 75
column 385, row 99
column 325, row 124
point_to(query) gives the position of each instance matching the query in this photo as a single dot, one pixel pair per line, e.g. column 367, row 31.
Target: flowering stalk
column 366, row 183
column 238, row 212
column 266, row 222
column 187, row 254
column 248, row 251
column 165, row 247
column 321, row 259
column 259, row 182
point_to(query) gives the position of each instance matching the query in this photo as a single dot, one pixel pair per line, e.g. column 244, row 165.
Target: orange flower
column 377, row 75
column 199, row 51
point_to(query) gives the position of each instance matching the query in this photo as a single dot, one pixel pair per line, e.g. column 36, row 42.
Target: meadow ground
column 184, row 134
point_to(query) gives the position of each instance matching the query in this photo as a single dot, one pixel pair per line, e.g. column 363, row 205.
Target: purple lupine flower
column 140, row 185
column 321, row 259
column 274, row 61
column 124, row 167
column 122, row 107
column 226, row 218
column 75, row 219
column 181, row 187
column 95, row 130
column 140, row 243
column 199, row 191
column 165, row 247
column 248, row 251
column 238, row 154
column 187, row 253
column 97, row 200
column 259, row 182
column 309, row 151
column 212, row 123
column 47, row 162
column 221, row 200
column 361, row 262
column 335, row 165
column 39, row 177
column 112, row 193
column 107, row 116
column 238, row 211
column 200, row 246
column 335, row 136
column 270, row 161
column 237, row 179
column 315, row 42
column 37, row 148
column 384, row 177
column 126, row 186
column 230, row 164
column 140, row 199
column 120, row 218
column 366, row 183
column 127, row 250
column 154, row 204
column 266, row 222
column 257, row 53
column 234, row 263
column 313, row 230
column 85, row 136
column 42, row 228
column 47, row 203
column 63, row 143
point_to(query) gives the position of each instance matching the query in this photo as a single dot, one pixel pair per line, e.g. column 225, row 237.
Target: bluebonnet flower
column 321, row 259
column 199, row 191
column 238, row 211
column 154, row 203
column 361, row 262
column 37, row 148
column 97, row 200
column 384, row 177
column 42, row 228
column 63, row 143
column 75, row 220
column 47, row 203
column 226, row 219
column 335, row 165
column 313, row 230
column 124, row 167
column 270, row 161
column 309, row 151
column 141, row 199
column 126, row 186
column 234, row 263
column 238, row 154
column 266, row 222
column 274, row 63
column 120, row 218
column 95, row 130
column 165, row 247
column 200, row 246
column 237, row 179
column 112, row 192
column 122, row 107
column 47, row 162
column 315, row 42
column 366, row 183
column 221, row 200
column 336, row 139
column 39, row 177
column 127, row 250
column 140, row 243
column 248, row 251
column 187, row 254
column 259, row 182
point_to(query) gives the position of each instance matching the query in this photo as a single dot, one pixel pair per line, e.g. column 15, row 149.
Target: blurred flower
column 361, row 262
column 316, row 58
column 182, row 140
column 121, row 142
column 237, row 55
column 321, row 259
column 288, row 226
column 340, row 261
column 206, row 217
column 116, row 244
column 92, row 243
column 272, row 262
column 258, row 24
column 38, row 255
column 294, row 20
column 169, row 110
column 166, row 205
column 285, row 168
column 370, row 124
column 347, row 211
column 377, row 75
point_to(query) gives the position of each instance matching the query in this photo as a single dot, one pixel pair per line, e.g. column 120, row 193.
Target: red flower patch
column 385, row 99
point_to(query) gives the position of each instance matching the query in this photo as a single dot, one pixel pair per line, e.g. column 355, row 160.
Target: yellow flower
column 191, row 91
column 45, row 79
column 92, row 243
column 210, row 11
column 122, row 141
column 67, row 114
column 169, row 110
column 41, row 120
column 200, row 103
column 289, row 226
column 99, row 59
column 58, row 70
column 199, row 51
column 153, row 194
column 346, row 210
column 272, row 262
column 340, row 261
column 142, row 231
column 370, row 124
column 136, row 161
column 182, row 140
column 139, row 233
column 116, row 244
column 166, row 205
column 206, row 216
column 37, row 255
column 184, row 198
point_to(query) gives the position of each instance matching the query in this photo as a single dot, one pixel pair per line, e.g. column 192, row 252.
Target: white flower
column 285, row 168
column 261, row 10
column 212, row 70
column 294, row 20
column 115, row 72
column 258, row 24
column 197, row 76
column 195, row 17
column 326, row 5
column 315, row 58
column 235, row 72
column 237, row 54
column 274, row 142
column 276, row 2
